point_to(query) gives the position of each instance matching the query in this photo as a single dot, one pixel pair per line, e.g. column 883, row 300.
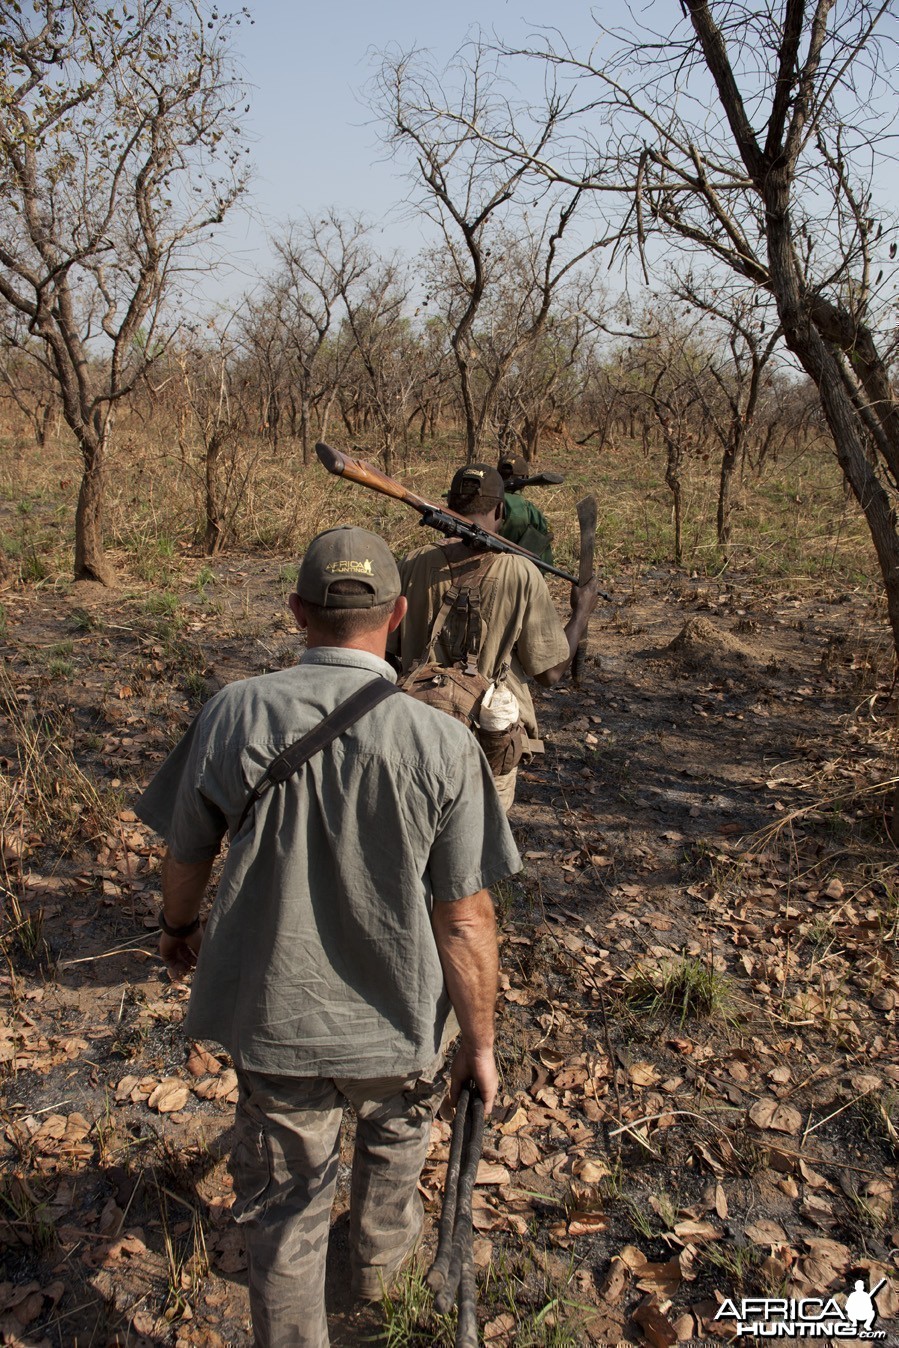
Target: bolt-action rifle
column 441, row 518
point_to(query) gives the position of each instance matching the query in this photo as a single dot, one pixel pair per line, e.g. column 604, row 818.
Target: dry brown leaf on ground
column 662, row 1280
column 684, row 1327
column 169, row 1095
column 484, row 1216
column 581, row 1223
column 223, row 1087
column 134, row 1088
column 643, row 1074
column 818, row 1210
column 657, row 1328
column 500, row 1329
column 614, row 1281
column 518, row 1120
column 776, row 1116
column 766, row 1232
column 200, row 1062
column 482, row 1252
column 489, row 1173
column 696, row 1231
column 590, row 1169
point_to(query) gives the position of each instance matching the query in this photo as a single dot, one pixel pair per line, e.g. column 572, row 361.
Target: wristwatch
column 179, row 933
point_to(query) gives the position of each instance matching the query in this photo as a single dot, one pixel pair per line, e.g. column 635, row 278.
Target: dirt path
column 698, row 1028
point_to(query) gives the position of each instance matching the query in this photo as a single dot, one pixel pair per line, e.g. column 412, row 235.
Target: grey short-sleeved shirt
column 319, row 957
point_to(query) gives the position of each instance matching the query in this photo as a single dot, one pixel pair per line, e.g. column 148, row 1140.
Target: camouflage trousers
column 284, row 1164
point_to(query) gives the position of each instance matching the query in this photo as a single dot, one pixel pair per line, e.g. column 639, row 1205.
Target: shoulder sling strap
column 463, row 594
column 319, row 737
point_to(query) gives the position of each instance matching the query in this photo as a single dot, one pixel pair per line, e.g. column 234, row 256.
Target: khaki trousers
column 284, row 1164
column 505, row 789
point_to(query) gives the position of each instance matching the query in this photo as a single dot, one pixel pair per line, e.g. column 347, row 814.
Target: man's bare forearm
column 183, row 887
column 465, row 934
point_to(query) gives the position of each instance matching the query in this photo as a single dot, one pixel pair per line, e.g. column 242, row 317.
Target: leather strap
column 319, row 737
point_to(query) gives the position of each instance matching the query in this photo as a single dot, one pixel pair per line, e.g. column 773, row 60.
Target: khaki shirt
column 319, row 957
column 520, row 625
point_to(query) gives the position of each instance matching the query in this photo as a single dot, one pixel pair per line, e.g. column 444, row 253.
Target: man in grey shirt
column 353, row 912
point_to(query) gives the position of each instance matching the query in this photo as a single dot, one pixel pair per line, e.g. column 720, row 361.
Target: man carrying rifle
column 352, row 913
column 524, row 524
column 521, row 634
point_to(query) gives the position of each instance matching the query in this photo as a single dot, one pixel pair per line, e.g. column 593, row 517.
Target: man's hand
column 476, row 1066
column 180, row 953
column 183, row 886
column 584, row 598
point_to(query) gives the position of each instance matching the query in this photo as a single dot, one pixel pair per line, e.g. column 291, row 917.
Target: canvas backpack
column 457, row 687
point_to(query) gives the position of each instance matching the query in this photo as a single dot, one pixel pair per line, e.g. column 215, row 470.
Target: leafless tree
column 670, row 376
column 322, row 259
column 548, row 380
column 756, row 136
column 209, row 369
column 375, row 301
column 737, row 365
column 25, row 380
column 487, row 208
column 119, row 150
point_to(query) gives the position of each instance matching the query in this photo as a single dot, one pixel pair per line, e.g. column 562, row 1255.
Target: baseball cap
column 475, row 489
column 513, row 465
column 348, row 553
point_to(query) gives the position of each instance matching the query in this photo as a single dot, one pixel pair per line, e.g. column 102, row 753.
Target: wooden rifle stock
column 439, row 517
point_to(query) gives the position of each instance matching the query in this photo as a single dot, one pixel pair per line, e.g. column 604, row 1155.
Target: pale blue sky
column 312, row 138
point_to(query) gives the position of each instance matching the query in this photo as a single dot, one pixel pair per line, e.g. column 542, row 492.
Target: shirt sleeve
column 542, row 642
column 175, row 806
column 474, row 847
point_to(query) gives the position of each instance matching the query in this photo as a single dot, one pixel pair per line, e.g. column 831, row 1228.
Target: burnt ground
column 699, row 992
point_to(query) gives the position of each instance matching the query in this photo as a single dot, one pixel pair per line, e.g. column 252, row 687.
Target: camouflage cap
column 348, row 553
column 476, row 489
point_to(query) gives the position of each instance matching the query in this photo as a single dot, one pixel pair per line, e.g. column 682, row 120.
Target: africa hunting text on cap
column 348, row 553
column 476, row 489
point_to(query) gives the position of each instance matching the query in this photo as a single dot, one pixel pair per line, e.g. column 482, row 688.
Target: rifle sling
column 319, row 737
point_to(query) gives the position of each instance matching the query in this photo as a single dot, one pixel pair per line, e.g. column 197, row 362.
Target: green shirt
column 526, row 525
column 319, row 958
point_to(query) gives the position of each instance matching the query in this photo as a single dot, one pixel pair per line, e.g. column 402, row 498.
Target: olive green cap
column 348, row 553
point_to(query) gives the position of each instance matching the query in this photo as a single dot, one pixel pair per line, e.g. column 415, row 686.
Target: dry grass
column 155, row 497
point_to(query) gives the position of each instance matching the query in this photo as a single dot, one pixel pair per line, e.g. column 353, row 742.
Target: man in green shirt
column 524, row 524
column 352, row 914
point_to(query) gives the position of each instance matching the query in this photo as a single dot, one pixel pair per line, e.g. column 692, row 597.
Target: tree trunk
column 90, row 559
column 304, row 429
column 531, row 438
column 215, row 534
column 819, row 359
column 728, row 463
column 672, row 481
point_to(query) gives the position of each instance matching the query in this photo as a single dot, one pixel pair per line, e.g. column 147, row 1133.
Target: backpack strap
column 319, row 737
column 464, row 596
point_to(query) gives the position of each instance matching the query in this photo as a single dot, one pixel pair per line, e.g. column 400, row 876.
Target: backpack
column 458, row 688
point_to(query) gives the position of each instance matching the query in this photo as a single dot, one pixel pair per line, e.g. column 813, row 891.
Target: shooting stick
column 453, row 1268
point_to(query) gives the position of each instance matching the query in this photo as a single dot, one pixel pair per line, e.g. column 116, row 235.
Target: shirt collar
column 343, row 655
